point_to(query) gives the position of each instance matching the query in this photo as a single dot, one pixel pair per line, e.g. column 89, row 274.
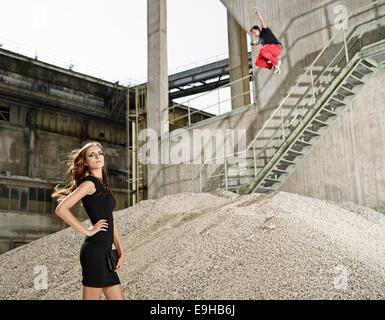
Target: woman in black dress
column 89, row 183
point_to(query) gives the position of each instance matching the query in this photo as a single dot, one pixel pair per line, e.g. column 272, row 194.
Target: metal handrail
column 207, row 107
column 198, row 63
column 210, row 91
column 308, row 69
column 183, row 104
column 373, row 4
column 317, row 81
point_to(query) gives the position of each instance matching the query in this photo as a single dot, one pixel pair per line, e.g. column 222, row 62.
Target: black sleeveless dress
column 93, row 252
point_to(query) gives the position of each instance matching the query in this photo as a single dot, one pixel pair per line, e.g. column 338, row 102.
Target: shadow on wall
column 294, row 71
column 368, row 37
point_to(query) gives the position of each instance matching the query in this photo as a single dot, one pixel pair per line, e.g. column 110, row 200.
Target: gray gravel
column 365, row 212
column 221, row 246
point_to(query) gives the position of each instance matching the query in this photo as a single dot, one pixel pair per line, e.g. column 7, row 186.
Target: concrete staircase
column 304, row 116
column 271, row 160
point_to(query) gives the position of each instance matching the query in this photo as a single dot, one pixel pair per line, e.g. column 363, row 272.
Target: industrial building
column 45, row 112
column 331, row 79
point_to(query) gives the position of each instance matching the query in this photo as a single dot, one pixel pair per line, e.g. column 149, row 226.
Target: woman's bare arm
column 63, row 209
column 263, row 23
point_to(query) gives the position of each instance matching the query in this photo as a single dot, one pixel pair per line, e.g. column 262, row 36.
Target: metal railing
column 198, row 63
column 298, row 111
column 218, row 104
column 58, row 61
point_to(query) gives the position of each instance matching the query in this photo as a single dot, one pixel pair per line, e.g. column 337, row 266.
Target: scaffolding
column 136, row 121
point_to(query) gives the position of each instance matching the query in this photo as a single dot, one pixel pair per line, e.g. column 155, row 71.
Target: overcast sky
column 109, row 38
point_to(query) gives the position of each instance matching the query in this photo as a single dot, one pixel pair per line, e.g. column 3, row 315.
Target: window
column 4, row 195
column 49, row 206
column 36, row 200
column 32, row 199
column 4, row 113
column 40, row 200
column 15, row 199
column 23, row 200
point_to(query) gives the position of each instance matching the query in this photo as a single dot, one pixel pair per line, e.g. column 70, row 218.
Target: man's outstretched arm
column 263, row 23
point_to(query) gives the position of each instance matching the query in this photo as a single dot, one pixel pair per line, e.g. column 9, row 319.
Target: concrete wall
column 178, row 176
column 304, row 27
column 348, row 163
column 238, row 63
column 345, row 165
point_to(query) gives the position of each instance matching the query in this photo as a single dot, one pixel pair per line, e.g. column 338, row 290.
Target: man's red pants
column 266, row 53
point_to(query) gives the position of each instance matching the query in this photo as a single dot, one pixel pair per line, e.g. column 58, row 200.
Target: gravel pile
column 367, row 213
column 221, row 246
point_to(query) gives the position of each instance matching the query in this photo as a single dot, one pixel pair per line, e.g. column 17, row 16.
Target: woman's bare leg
column 90, row 293
column 114, row 292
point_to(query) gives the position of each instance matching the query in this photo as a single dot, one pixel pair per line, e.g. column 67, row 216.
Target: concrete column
column 238, row 62
column 157, row 84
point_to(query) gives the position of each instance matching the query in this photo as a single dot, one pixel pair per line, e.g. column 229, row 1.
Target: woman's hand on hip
column 101, row 225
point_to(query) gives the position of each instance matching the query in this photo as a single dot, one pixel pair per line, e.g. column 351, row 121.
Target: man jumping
column 271, row 47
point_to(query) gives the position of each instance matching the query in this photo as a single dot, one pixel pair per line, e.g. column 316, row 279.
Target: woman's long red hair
column 77, row 170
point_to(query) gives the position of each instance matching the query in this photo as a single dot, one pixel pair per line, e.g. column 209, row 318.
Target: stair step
column 263, row 190
column 338, row 100
column 320, row 122
column 367, row 67
column 329, row 111
column 287, row 161
column 303, row 142
column 355, row 78
column 371, row 62
column 297, row 153
column 279, row 171
column 271, row 180
column 347, row 89
column 361, row 73
column 311, row 132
